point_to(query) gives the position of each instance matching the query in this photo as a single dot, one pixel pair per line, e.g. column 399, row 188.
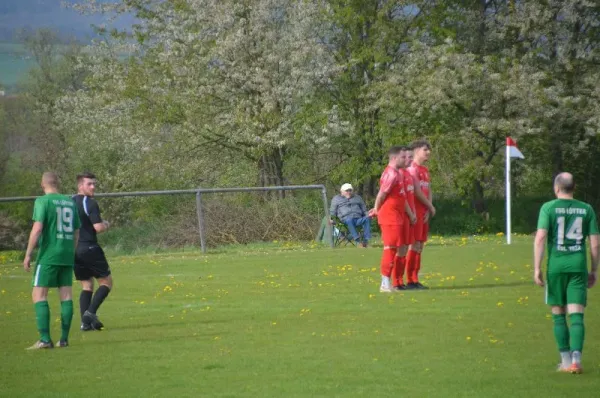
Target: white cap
column 346, row 187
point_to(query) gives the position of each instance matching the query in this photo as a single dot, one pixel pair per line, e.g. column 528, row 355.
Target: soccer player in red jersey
column 425, row 210
column 389, row 209
column 410, row 219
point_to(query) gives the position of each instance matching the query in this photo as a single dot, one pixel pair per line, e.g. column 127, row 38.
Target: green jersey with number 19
column 569, row 222
column 60, row 220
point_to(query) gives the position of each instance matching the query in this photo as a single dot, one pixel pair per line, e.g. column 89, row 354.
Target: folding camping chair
column 341, row 233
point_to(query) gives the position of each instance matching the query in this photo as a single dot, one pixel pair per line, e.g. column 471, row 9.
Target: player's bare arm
column 595, row 254
column 421, row 196
column 34, row 236
column 411, row 215
column 101, row 226
column 381, row 195
column 539, row 246
column 432, row 209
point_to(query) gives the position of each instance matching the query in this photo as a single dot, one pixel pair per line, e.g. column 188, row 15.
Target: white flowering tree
column 208, row 76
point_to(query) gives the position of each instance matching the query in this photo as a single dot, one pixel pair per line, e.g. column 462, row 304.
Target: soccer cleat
column 86, row 327
column 385, row 289
column 411, row 286
column 97, row 325
column 92, row 320
column 400, row 287
column 575, row 369
column 62, row 344
column 420, row 286
column 39, row 345
column 563, row 369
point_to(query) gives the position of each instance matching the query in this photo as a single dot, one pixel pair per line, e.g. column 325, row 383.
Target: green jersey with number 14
column 569, row 222
column 60, row 220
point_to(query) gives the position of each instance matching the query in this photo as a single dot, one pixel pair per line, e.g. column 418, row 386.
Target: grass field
column 298, row 321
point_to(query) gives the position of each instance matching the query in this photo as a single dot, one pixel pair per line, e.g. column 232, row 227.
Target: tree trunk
column 270, row 171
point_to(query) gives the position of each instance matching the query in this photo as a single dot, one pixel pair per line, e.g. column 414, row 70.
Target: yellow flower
column 468, row 338
column 500, row 304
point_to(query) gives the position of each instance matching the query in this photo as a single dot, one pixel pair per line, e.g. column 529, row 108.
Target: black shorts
column 90, row 262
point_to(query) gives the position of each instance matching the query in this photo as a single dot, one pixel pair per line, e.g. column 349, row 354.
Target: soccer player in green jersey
column 56, row 231
column 566, row 223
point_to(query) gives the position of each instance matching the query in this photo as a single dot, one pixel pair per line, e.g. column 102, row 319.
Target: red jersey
column 420, row 176
column 409, row 188
column 392, row 209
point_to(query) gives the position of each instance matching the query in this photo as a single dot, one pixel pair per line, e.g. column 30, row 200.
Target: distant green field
column 298, row 320
column 14, row 63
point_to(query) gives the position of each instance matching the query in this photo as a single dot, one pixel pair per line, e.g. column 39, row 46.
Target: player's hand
column 432, row 211
column 426, row 218
column 372, row 213
column 413, row 219
column 538, row 278
column 27, row 263
column 592, row 277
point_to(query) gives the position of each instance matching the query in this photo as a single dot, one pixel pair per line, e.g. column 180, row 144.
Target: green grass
column 298, row 321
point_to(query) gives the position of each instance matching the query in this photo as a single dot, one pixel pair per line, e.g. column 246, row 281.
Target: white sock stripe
column 37, row 275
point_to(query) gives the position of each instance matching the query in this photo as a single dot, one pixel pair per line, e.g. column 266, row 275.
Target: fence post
column 328, row 228
column 200, row 221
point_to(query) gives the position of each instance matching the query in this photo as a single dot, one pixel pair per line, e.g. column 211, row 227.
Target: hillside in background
column 35, row 14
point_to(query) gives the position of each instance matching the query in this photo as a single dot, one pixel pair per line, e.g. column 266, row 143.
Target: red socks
column 412, row 264
column 387, row 261
column 398, row 271
column 417, row 267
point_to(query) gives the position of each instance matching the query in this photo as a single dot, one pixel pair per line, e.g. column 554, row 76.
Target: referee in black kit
column 90, row 261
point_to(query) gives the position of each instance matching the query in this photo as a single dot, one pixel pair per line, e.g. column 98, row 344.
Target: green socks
column 577, row 332
column 66, row 316
column 42, row 319
column 561, row 332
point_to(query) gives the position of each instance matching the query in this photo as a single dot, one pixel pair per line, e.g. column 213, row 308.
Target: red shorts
column 391, row 235
column 408, row 232
column 421, row 229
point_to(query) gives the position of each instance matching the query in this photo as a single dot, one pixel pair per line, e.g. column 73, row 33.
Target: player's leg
column 577, row 300
column 102, row 273
column 413, row 251
column 399, row 267
column 85, row 277
column 556, row 298
column 413, row 259
column 43, row 278
column 390, row 238
column 66, row 304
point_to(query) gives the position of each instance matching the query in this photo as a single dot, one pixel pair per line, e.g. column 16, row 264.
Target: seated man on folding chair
column 351, row 209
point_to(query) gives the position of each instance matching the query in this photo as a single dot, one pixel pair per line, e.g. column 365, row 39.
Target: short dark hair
column 396, row 150
column 51, row 179
column 85, row 174
column 565, row 182
column 420, row 144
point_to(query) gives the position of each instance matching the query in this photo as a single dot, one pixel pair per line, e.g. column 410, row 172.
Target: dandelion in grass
column 500, row 304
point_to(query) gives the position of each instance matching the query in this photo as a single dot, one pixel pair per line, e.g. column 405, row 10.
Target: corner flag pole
column 511, row 152
column 508, row 209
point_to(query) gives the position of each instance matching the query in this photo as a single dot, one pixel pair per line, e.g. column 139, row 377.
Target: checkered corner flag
column 512, row 151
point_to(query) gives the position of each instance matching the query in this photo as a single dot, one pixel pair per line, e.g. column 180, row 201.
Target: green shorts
column 566, row 288
column 52, row 276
